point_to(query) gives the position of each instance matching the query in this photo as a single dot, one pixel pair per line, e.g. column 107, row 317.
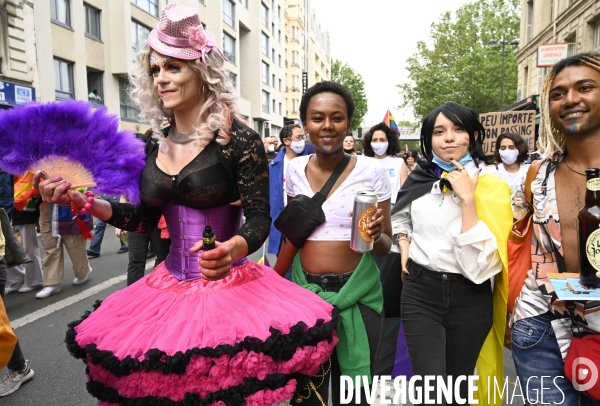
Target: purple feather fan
column 75, row 130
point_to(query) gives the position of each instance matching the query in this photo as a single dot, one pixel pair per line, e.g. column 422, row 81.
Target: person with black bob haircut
column 451, row 226
column 324, row 263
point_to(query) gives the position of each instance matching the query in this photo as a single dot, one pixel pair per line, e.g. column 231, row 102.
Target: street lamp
column 493, row 42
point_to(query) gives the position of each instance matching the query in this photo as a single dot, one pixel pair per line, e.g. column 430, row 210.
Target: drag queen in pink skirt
column 205, row 327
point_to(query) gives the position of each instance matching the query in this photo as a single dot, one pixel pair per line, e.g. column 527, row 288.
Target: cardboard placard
column 517, row 122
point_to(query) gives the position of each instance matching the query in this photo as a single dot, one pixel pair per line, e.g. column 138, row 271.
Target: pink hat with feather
column 180, row 35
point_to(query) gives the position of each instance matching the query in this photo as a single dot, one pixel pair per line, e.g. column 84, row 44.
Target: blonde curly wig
column 219, row 107
column 551, row 140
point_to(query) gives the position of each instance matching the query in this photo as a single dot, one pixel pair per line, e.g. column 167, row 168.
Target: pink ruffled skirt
column 241, row 340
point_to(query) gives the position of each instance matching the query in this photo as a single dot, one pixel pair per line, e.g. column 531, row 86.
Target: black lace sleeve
column 140, row 219
column 252, row 176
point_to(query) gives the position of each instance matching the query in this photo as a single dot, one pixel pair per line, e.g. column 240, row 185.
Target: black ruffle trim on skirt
column 234, row 396
column 279, row 346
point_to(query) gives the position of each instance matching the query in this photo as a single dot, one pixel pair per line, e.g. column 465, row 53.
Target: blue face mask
column 448, row 167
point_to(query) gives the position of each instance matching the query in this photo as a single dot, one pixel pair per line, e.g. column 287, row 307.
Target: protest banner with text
column 517, row 122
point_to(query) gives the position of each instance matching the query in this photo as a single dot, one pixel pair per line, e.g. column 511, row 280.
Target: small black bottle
column 208, row 239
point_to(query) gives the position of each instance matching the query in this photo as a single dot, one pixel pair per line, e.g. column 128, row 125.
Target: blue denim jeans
column 539, row 364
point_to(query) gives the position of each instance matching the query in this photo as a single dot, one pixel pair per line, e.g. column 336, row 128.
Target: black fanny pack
column 303, row 214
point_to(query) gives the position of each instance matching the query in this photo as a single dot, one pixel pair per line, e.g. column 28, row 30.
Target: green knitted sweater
column 364, row 286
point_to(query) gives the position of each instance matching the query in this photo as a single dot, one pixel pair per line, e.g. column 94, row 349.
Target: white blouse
column 434, row 223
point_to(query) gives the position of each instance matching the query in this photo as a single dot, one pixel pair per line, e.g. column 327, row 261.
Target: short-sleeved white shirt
column 367, row 175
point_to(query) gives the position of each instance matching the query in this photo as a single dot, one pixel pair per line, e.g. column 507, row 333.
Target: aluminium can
column 365, row 205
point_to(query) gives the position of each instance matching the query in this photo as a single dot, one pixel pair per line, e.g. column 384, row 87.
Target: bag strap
column 531, row 174
column 321, row 194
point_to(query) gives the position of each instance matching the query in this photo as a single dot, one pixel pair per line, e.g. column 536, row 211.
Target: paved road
column 41, row 324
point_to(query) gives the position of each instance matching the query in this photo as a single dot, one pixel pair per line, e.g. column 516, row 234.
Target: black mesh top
column 218, row 175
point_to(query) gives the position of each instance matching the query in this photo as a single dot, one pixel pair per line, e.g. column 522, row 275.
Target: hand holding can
column 365, row 206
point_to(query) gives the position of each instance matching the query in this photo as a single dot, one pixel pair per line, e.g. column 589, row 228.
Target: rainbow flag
column 388, row 119
column 263, row 258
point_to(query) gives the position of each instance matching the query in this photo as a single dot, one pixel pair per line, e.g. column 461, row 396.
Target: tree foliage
column 458, row 64
column 342, row 73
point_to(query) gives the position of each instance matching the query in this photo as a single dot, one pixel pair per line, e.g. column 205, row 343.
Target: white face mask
column 379, row 147
column 298, row 146
column 509, row 156
column 271, row 148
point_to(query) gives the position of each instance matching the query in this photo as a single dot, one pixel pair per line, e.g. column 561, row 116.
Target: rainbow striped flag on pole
column 388, row 119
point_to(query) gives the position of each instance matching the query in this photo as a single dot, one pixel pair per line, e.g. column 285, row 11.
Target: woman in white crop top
column 325, row 264
column 452, row 226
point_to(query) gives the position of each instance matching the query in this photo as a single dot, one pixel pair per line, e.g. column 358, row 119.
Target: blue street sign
column 15, row 95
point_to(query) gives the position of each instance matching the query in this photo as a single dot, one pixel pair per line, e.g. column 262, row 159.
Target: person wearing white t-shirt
column 381, row 143
column 511, row 153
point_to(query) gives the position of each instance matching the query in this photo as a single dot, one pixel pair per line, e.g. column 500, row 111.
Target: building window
column 264, row 15
column 571, row 48
column 264, row 70
column 258, row 126
column 232, row 79
column 149, row 6
column 280, row 60
column 264, row 43
column 229, row 12
column 244, row 3
column 229, row 47
column 279, row 108
column 129, row 111
column 529, row 33
column 279, row 36
column 265, row 102
column 63, row 80
column 273, row 81
column 274, row 105
column 279, row 12
column 92, row 22
column 597, row 35
column 294, row 33
column 95, row 87
column 273, row 30
column 280, row 85
column 273, row 54
column 139, row 34
column 60, row 12
column 295, row 106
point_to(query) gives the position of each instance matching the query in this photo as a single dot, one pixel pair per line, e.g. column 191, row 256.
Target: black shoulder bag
column 303, row 214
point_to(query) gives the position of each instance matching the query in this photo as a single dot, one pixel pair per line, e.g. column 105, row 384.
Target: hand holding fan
column 72, row 140
column 70, row 171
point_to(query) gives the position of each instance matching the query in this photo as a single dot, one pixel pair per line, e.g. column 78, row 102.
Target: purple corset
column 186, row 226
